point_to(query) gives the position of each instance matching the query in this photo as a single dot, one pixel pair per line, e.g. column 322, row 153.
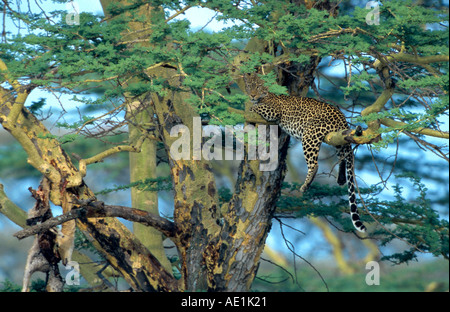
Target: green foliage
column 82, row 243
column 412, row 220
column 225, row 195
column 85, row 120
column 97, row 50
column 271, row 82
column 359, row 83
column 36, row 106
column 150, row 184
column 413, row 119
column 66, row 138
column 8, row 286
column 37, row 285
column 416, row 277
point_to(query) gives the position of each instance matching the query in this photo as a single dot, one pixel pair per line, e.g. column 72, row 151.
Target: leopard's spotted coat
column 309, row 121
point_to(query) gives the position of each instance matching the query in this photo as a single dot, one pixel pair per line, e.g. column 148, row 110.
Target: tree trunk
column 220, row 247
column 143, row 164
column 196, row 213
column 142, row 167
column 233, row 259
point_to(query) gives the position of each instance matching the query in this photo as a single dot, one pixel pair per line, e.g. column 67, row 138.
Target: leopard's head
column 254, row 87
column 262, row 103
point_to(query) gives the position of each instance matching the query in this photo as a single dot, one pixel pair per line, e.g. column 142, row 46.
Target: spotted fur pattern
column 309, row 121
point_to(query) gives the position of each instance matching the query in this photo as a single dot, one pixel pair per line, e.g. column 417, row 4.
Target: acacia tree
column 157, row 75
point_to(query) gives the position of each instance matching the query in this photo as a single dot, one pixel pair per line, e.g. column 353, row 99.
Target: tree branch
column 11, row 210
column 34, row 158
column 336, row 33
column 421, row 130
column 420, row 60
column 336, row 246
column 178, row 13
column 432, row 147
column 97, row 209
column 19, row 217
column 113, row 150
column 22, row 94
column 401, row 56
column 378, row 105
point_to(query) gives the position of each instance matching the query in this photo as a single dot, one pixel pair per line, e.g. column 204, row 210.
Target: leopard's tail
column 349, row 163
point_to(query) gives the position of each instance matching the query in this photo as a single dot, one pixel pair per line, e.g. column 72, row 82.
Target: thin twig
column 287, row 242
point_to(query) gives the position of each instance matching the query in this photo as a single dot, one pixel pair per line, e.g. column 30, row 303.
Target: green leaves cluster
column 103, row 50
column 412, row 220
column 150, row 184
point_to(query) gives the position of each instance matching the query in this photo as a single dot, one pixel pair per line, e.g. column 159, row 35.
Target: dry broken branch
column 97, row 209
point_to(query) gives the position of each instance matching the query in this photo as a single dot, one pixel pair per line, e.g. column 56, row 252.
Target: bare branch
column 178, row 13
column 97, row 209
column 421, row 130
column 432, row 147
column 113, row 150
column 10, row 210
column 22, row 94
column 378, row 105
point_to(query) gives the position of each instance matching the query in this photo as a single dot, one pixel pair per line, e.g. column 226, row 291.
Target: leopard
column 309, row 121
